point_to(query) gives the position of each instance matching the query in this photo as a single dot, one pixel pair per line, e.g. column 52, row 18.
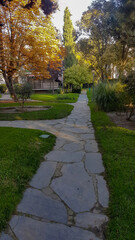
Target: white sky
column 76, row 8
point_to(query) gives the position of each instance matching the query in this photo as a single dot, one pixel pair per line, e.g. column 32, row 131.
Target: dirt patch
column 25, row 109
column 120, row 120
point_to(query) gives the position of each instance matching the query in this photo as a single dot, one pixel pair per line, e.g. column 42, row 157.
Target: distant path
column 68, row 197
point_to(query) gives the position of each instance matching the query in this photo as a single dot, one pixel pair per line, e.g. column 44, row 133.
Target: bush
column 23, row 91
column 129, row 80
column 110, row 96
column 3, row 88
column 76, row 89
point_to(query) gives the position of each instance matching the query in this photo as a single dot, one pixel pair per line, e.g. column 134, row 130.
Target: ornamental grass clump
column 110, row 96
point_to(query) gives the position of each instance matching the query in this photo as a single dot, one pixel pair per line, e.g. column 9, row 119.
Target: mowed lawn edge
column 21, row 152
column 117, row 146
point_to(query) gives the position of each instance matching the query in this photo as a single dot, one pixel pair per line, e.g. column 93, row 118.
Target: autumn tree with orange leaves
column 28, row 41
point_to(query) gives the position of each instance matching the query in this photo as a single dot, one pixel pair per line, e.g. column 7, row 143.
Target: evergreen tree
column 68, row 38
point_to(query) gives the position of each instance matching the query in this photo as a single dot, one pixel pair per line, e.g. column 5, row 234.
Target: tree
column 77, row 75
column 68, row 39
column 110, row 29
column 95, row 22
column 48, row 6
column 28, row 41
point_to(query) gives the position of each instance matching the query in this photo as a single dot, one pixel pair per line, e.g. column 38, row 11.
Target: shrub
column 76, row 89
column 3, row 88
column 23, row 91
column 129, row 80
column 110, row 96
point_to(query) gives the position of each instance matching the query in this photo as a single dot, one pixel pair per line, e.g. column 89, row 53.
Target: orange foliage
column 28, row 41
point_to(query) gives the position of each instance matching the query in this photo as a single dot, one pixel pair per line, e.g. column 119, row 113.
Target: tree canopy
column 68, row 40
column 110, row 28
column 28, row 41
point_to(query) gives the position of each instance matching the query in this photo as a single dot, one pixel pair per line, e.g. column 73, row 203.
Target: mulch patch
column 120, row 120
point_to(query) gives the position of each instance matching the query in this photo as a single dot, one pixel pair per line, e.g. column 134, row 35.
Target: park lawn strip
column 21, row 152
column 63, row 98
column 117, row 146
column 57, row 111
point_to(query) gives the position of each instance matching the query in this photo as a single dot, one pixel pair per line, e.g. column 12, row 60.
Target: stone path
column 68, row 197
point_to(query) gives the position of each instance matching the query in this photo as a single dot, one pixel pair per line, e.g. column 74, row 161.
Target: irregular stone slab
column 64, row 156
column 44, row 174
column 4, row 236
column 36, row 203
column 103, row 193
column 60, row 142
column 90, row 220
column 73, row 147
column 76, row 130
column 28, row 229
column 75, row 188
column 87, row 136
column 91, row 146
column 93, row 163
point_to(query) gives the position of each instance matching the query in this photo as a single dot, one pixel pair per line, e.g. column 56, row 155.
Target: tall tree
column 68, row 38
column 28, row 42
column 96, row 23
column 111, row 36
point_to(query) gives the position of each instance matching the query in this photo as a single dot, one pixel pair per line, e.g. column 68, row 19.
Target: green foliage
column 111, row 40
column 110, row 96
column 61, row 98
column 76, row 89
column 68, row 38
column 70, row 58
column 77, row 75
column 68, row 29
column 21, row 152
column 129, row 80
column 117, row 146
column 3, row 88
column 23, row 91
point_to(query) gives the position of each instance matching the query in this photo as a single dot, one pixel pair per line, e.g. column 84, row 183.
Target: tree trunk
column 11, row 88
column 53, row 86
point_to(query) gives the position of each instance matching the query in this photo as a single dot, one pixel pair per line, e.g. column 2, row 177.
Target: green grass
column 21, row 151
column 0, row 95
column 63, row 98
column 118, row 148
column 57, row 102
column 57, row 110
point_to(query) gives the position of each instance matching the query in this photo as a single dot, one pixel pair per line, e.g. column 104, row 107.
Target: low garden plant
column 21, row 152
column 23, row 92
column 110, row 96
column 117, row 146
column 3, row 88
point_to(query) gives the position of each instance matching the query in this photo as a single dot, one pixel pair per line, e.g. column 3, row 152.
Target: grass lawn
column 0, row 95
column 118, row 148
column 59, row 108
column 63, row 98
column 21, row 151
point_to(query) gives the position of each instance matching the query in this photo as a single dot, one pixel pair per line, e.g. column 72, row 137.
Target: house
column 45, row 85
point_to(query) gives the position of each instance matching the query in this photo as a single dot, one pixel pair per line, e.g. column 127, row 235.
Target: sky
column 76, row 8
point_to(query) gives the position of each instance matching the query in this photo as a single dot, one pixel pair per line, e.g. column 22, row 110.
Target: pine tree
column 68, row 38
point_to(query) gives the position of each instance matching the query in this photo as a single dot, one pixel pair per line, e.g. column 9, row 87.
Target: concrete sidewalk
column 68, row 197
